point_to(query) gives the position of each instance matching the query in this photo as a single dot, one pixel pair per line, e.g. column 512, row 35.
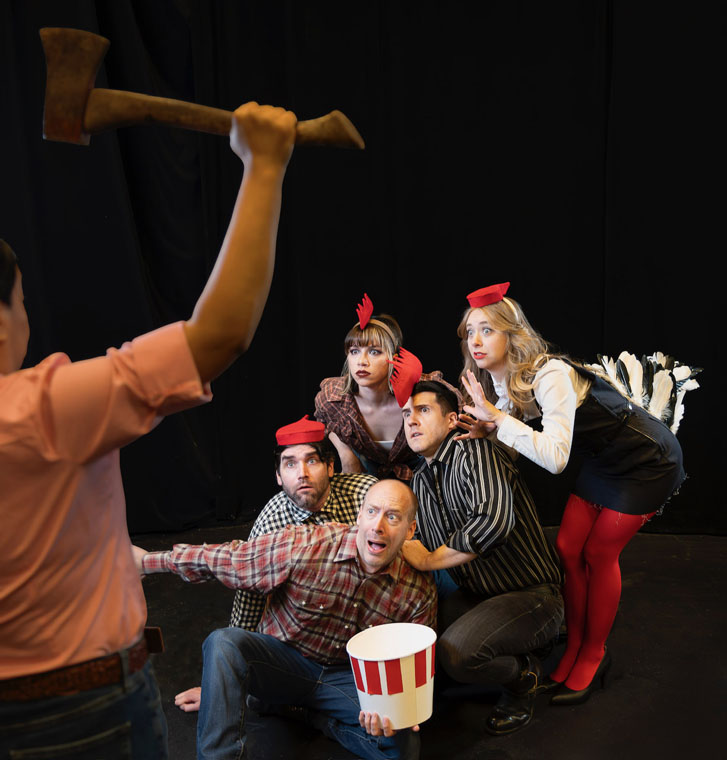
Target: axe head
column 72, row 59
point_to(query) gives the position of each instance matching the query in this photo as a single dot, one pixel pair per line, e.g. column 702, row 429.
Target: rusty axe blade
column 75, row 109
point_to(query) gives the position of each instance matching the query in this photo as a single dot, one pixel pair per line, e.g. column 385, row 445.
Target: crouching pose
column 632, row 464
column 478, row 522
column 325, row 583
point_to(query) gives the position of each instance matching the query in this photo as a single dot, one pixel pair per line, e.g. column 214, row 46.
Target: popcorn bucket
column 393, row 667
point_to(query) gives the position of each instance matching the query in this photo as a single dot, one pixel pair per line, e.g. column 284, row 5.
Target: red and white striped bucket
column 393, row 667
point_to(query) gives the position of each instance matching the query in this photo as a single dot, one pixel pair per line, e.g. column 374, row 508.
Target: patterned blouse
column 339, row 412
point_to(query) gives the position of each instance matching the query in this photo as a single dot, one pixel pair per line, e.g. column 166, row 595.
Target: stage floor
column 665, row 698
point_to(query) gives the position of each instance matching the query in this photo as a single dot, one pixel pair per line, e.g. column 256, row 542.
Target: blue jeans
column 481, row 637
column 238, row 662
column 445, row 584
column 119, row 722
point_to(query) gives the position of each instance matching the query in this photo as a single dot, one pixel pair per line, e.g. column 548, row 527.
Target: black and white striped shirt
column 472, row 498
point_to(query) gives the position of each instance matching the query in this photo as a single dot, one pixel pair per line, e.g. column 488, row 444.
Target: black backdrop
column 562, row 146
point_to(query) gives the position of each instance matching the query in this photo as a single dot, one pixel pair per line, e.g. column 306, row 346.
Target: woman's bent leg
column 578, row 520
column 610, row 534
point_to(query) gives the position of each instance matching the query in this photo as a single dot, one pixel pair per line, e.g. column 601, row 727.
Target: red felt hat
column 302, row 431
column 364, row 311
column 488, row 295
column 407, row 373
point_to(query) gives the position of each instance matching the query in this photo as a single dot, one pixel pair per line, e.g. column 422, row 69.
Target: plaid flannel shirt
column 342, row 505
column 320, row 596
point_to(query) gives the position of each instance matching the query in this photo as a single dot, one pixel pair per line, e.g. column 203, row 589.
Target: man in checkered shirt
column 324, row 583
column 312, row 495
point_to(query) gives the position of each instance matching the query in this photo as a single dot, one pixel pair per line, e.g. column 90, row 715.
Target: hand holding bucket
column 393, row 667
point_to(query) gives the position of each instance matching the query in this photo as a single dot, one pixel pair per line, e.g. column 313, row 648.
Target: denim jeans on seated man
column 119, row 722
column 239, row 662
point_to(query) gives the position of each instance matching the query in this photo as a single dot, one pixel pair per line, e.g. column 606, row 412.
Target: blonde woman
column 632, row 464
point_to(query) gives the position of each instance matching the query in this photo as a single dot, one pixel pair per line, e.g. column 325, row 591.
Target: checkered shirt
column 342, row 506
column 320, row 596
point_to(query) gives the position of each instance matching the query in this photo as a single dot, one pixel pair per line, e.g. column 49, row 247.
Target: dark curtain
column 562, row 146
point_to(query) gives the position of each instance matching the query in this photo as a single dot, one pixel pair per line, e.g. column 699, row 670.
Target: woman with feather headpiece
column 632, row 462
column 362, row 417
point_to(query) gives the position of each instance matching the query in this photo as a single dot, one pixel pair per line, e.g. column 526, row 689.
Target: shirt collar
column 349, row 551
column 334, row 388
column 503, row 402
column 304, row 514
column 446, row 449
column 500, row 389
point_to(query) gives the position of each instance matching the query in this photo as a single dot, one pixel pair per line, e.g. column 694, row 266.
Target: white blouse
column 559, row 390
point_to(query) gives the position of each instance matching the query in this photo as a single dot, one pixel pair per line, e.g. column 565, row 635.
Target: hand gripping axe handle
column 75, row 109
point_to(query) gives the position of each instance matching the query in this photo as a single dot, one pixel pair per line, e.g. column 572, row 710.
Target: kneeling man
column 477, row 520
column 324, row 583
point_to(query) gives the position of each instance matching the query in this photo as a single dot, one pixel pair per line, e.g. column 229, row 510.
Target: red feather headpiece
column 364, row 310
column 407, row 373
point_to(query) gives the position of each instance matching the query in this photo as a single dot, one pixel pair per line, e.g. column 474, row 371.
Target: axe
column 75, row 109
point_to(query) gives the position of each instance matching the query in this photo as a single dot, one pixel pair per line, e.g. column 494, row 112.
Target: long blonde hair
column 526, row 354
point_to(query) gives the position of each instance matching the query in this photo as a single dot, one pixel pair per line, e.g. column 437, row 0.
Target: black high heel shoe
column 569, row 697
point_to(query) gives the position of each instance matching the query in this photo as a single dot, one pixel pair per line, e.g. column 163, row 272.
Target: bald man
column 325, row 583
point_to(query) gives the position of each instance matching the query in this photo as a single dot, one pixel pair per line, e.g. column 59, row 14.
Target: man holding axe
column 74, row 669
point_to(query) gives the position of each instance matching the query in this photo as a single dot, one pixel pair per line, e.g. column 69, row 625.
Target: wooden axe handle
column 107, row 109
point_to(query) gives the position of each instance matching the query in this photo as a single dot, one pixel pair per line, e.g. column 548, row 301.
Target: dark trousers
column 119, row 722
column 480, row 638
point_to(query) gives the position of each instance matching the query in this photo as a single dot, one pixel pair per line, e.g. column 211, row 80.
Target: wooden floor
column 667, row 695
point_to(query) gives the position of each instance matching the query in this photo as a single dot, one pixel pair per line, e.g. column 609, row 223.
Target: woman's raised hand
column 482, row 409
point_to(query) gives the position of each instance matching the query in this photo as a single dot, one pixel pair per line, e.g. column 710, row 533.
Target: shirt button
column 355, row 604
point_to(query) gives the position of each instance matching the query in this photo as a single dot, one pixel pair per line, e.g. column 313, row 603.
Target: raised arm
column 229, row 309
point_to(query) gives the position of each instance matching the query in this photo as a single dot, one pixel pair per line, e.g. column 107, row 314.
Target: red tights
column 589, row 543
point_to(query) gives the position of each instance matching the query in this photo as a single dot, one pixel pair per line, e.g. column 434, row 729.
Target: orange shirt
column 69, row 590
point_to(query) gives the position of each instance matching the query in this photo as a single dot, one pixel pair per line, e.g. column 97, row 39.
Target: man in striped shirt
column 477, row 520
column 324, row 583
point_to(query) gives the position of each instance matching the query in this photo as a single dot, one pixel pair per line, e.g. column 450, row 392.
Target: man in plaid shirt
column 324, row 584
column 312, row 495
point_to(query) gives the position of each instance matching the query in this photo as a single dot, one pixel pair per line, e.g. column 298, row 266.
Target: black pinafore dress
column 631, row 461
